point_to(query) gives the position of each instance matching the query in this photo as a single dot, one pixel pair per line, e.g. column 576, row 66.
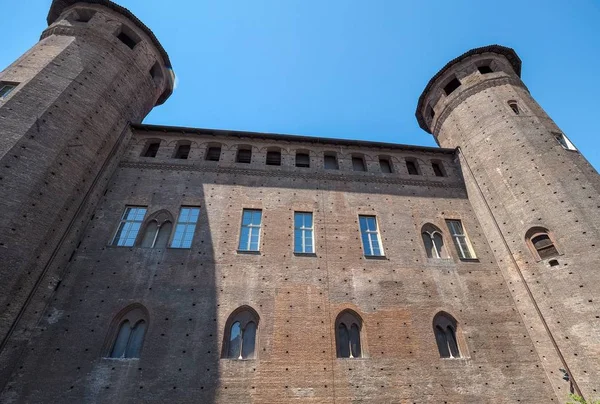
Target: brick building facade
column 146, row 263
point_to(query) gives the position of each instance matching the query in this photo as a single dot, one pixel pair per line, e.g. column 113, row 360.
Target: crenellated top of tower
column 59, row 7
column 493, row 62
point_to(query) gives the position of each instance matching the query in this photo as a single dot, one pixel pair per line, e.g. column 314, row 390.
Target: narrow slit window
column 151, row 149
column 302, row 160
column 213, row 153
column 185, row 228
column 411, row 167
column 303, row 233
column 6, row 89
column 182, row 152
column 250, row 231
column 515, row 107
column 461, row 241
column 385, row 165
column 129, row 227
column 358, row 164
column 273, row 158
column 244, row 156
column 330, row 162
column 370, row 236
column 451, row 86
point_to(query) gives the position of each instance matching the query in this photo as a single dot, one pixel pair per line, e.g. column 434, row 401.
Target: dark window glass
column 120, row 345
column 213, row 154
column 152, row 149
column 544, row 246
column 183, row 151
column 129, row 340
column 355, row 341
column 437, row 169
column 485, row 69
column 442, row 342
column 385, row 166
column 249, row 340
column 302, row 160
column 451, row 86
column 411, row 166
column 452, row 345
column 330, row 162
column 343, row 341
column 273, row 158
column 358, row 164
column 244, row 156
column 513, row 105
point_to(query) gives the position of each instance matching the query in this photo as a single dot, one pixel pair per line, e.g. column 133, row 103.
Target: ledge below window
column 469, row 259
column 375, row 257
column 248, row 252
column 301, row 254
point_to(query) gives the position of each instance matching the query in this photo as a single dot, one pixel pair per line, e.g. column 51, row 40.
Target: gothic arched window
column 445, row 330
column 348, row 329
column 433, row 241
column 240, row 334
column 157, row 230
column 127, row 333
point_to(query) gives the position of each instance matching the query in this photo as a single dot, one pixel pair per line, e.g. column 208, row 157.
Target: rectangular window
column 183, row 152
column 330, row 162
column 438, row 169
column 370, row 236
column 213, row 154
column 358, row 164
column 186, row 226
column 411, row 166
column 244, row 156
column 302, row 160
column 273, row 158
column 250, row 232
column 131, row 221
column 303, row 232
column 151, row 150
column 385, row 165
column 461, row 241
column 6, row 89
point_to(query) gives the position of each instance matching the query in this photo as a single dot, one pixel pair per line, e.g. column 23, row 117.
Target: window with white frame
column 564, row 141
column 303, row 233
column 185, row 228
column 461, row 241
column 250, row 232
column 370, row 236
column 131, row 221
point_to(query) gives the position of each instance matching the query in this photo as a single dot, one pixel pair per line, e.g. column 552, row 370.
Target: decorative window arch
column 541, row 243
column 445, row 329
column 348, row 332
column 157, row 230
column 127, row 332
column 241, row 329
column 433, row 240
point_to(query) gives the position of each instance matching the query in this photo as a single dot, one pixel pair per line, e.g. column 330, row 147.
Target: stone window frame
column 212, row 146
column 441, row 167
column 244, row 314
column 441, row 323
column 272, row 159
column 536, row 231
column 134, row 313
column 388, row 160
column 149, row 142
column 415, row 163
column 244, row 148
column 178, row 145
column 430, row 230
column 455, row 237
column 162, row 218
column 334, row 155
column 357, row 159
column 302, row 152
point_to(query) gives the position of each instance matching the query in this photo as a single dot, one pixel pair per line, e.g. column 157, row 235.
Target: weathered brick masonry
column 72, row 160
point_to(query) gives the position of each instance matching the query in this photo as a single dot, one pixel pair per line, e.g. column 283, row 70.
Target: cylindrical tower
column 65, row 107
column 538, row 200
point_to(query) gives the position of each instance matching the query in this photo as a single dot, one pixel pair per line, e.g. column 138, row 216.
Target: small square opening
column 128, row 37
column 485, row 69
column 451, row 86
column 302, row 160
column 213, row 153
column 183, row 152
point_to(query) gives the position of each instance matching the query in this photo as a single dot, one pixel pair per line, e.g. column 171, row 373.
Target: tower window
column 451, row 86
column 564, row 141
column 515, row 107
column 461, row 241
column 213, row 153
column 412, row 167
column 128, row 332
column 185, row 228
column 151, row 149
column 240, row 334
column 82, row 15
column 541, row 243
column 156, row 73
column 348, row 328
column 182, row 151
column 274, row 158
column 444, row 328
column 369, row 232
column 6, row 88
column 130, row 224
column 358, row 163
column 385, row 165
column 330, row 161
column 302, row 159
column 128, row 37
column 250, row 231
column 244, row 155
column 438, row 169
column 485, row 69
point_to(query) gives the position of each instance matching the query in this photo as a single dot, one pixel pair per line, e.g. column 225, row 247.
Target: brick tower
column 537, row 199
column 65, row 108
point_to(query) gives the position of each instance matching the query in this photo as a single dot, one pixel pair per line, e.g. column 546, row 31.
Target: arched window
column 445, row 330
column 158, row 230
column 240, row 334
column 541, row 243
column 514, row 106
column 151, row 148
column 182, row 150
column 273, row 157
column 433, row 241
column 348, row 328
column 127, row 333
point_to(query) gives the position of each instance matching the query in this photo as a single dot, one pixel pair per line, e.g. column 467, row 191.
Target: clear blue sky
column 348, row 68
